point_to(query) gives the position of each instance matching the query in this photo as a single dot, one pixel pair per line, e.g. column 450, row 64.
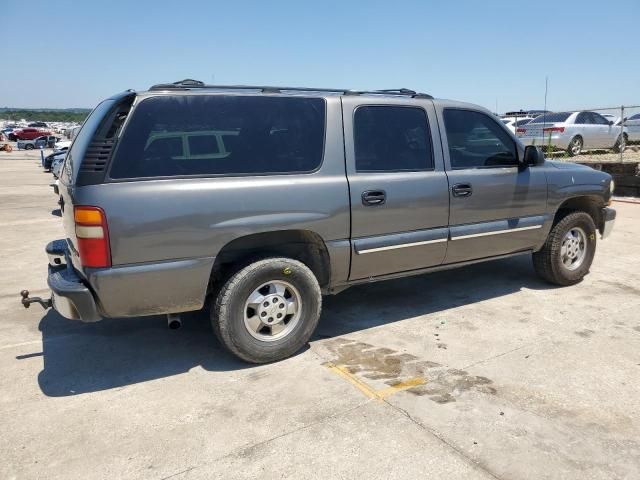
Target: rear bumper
column 127, row 290
column 559, row 140
column 609, row 220
column 70, row 297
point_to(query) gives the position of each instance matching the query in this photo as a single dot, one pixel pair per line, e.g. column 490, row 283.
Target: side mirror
column 532, row 156
column 610, row 122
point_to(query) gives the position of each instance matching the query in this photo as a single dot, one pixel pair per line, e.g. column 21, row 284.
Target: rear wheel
column 621, row 146
column 28, row 146
column 568, row 251
column 268, row 310
column 575, row 146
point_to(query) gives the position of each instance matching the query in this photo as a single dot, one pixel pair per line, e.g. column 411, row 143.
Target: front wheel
column 268, row 310
column 568, row 251
column 620, row 146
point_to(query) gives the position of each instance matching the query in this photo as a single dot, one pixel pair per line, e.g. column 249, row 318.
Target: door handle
column 462, row 190
column 372, row 198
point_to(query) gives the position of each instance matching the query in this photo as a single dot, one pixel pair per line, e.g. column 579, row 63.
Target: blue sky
column 73, row 54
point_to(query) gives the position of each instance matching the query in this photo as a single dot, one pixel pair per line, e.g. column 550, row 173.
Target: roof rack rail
column 189, row 83
column 405, row 92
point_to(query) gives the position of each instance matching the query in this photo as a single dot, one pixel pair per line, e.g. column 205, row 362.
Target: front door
column 496, row 207
column 398, row 186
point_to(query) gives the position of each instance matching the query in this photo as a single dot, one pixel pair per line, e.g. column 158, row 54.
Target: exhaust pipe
column 174, row 321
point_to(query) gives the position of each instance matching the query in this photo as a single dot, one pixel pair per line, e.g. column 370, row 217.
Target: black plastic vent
column 97, row 156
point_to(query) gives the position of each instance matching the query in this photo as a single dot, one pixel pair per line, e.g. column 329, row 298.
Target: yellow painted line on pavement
column 398, row 387
column 343, row 372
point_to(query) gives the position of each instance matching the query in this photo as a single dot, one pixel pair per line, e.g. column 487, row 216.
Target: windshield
column 82, row 140
column 552, row 117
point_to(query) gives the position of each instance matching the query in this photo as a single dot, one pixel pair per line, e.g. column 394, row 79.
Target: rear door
column 605, row 134
column 587, row 130
column 496, row 207
column 398, row 186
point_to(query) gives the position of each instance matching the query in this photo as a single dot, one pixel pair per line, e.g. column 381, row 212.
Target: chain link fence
column 602, row 134
column 606, row 138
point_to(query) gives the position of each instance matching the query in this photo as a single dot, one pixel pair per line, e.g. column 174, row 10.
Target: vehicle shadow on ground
column 380, row 303
column 81, row 358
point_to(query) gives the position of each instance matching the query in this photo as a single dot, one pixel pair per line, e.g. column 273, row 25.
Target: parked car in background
column 524, row 113
column 7, row 131
column 57, row 163
column 27, row 134
column 38, row 125
column 49, row 159
column 515, row 122
column 571, row 131
column 610, row 117
column 39, row 142
column 62, row 145
column 632, row 125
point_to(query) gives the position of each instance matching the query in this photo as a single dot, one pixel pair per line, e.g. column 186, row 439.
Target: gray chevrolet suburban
column 258, row 200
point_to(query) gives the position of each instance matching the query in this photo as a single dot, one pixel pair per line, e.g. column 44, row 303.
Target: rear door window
column 186, row 135
column 583, row 118
column 392, row 139
column 476, row 140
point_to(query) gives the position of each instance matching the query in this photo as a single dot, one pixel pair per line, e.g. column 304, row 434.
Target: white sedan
column 514, row 122
column 632, row 125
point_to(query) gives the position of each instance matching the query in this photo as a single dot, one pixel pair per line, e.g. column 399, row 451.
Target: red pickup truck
column 27, row 134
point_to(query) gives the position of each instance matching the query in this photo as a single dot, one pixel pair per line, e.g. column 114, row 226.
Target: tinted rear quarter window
column 182, row 135
column 390, row 138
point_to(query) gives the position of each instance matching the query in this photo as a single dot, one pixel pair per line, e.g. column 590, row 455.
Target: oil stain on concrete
column 369, row 362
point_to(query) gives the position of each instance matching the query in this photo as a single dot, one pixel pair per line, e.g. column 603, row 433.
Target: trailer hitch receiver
column 27, row 300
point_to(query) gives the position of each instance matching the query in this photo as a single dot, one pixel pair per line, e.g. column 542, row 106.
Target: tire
column 575, row 146
column 617, row 146
column 548, row 261
column 233, row 317
column 28, row 146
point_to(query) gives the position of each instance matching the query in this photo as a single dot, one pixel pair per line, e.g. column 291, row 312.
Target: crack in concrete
column 466, row 458
column 493, row 357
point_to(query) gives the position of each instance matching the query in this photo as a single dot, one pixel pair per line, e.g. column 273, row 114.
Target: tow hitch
column 27, row 300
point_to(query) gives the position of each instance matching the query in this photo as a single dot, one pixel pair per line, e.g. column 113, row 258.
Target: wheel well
column 302, row 245
column 591, row 205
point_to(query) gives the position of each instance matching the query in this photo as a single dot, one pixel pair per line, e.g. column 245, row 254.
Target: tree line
column 45, row 115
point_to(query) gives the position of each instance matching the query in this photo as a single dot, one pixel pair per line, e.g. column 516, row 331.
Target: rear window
column 221, row 135
column 552, row 117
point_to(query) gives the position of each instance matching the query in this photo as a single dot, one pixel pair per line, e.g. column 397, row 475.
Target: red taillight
column 521, row 130
column 93, row 236
column 553, row 129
